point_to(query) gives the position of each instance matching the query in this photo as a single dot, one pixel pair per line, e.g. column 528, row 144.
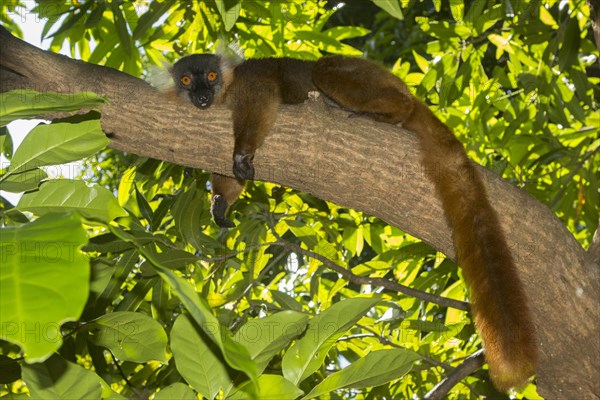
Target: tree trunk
column 355, row 163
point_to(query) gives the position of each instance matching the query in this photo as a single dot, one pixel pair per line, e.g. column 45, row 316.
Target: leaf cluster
column 132, row 291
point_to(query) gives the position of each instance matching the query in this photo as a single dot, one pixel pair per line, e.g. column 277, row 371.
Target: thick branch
column 356, row 163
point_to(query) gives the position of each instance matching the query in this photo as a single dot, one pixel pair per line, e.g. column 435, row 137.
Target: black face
column 198, row 78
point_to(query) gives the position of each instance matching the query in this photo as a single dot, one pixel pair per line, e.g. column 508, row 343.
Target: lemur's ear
column 160, row 77
column 231, row 54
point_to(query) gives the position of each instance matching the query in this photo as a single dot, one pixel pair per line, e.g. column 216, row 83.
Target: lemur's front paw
column 218, row 208
column 243, row 167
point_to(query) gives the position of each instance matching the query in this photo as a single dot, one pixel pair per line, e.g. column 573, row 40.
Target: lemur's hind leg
column 364, row 87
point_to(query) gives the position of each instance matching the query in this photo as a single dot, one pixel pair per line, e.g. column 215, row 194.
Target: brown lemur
column 253, row 90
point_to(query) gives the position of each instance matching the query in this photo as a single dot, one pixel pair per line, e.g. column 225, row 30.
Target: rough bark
column 356, row 163
column 595, row 19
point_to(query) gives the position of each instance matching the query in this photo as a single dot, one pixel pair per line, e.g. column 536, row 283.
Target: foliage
column 273, row 307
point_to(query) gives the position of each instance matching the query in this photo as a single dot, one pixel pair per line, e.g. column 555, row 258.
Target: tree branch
column 367, row 280
column 470, row 364
column 356, row 163
column 380, row 282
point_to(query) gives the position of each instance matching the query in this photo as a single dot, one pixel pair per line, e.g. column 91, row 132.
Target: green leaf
column 109, row 394
column 93, row 202
column 546, row 17
column 391, row 6
column 161, row 211
column 130, row 336
column 59, row 379
column 374, row 369
column 502, row 43
column 96, row 15
column 125, row 184
column 190, row 212
column 27, row 103
column 24, row 181
column 421, row 61
column 353, row 239
column 475, row 14
column 155, row 12
column 304, row 233
column 567, row 54
column 107, row 243
column 72, row 18
column 176, row 259
column 346, row 32
column 317, row 37
column 457, row 7
column 267, row 387
column 265, row 337
column 103, row 48
column 57, row 12
column 6, row 143
column 177, row 391
column 133, row 298
column 121, row 27
column 230, row 15
column 102, row 271
column 196, row 360
column 142, row 203
column 286, row 301
column 234, row 353
column 308, row 353
column 57, row 143
column 123, row 267
column 42, row 265
column 313, row 242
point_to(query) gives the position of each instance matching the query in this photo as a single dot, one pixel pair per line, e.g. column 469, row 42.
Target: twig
column 471, row 363
column 232, row 254
column 386, row 341
column 365, row 280
column 393, row 286
column 127, row 381
column 261, row 274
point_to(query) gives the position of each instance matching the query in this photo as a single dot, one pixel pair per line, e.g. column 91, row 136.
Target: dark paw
column 224, row 223
column 218, row 209
column 243, row 167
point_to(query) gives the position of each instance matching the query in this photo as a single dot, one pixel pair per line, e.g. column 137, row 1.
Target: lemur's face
column 198, row 78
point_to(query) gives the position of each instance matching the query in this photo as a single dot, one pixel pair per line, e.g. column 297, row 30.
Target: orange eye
column 212, row 76
column 186, row 80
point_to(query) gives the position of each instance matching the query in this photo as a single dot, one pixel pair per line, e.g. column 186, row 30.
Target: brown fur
column 499, row 302
column 229, row 188
column 498, row 298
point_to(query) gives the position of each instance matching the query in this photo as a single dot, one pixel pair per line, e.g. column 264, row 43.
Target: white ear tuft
column 231, row 54
column 160, row 76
